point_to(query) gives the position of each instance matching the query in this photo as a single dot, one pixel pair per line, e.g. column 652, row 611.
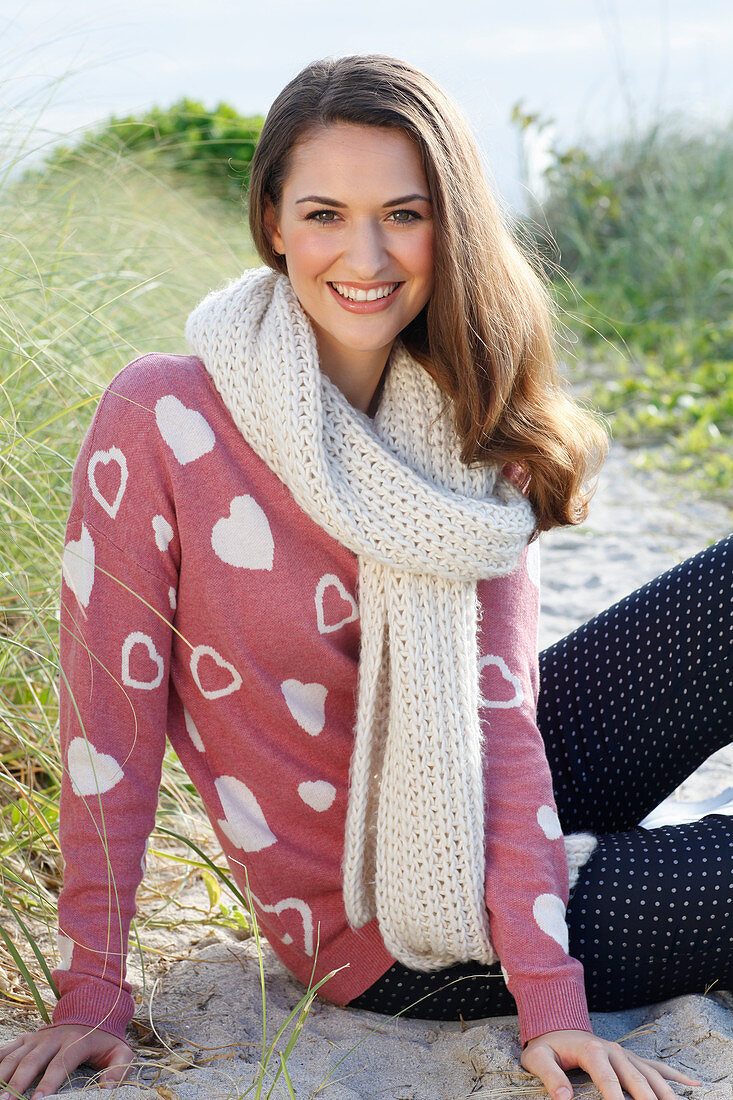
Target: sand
column 203, row 1000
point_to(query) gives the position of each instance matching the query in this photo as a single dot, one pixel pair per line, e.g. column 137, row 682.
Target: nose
column 365, row 253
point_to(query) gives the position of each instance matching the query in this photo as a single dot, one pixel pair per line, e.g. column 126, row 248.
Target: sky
column 592, row 69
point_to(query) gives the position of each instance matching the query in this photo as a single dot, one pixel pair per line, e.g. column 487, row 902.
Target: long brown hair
column 487, row 333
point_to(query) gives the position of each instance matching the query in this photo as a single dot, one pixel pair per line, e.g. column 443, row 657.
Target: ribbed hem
column 360, row 953
column 550, row 1006
column 109, row 1011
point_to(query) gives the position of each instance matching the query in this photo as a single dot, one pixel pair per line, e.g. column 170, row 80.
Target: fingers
column 596, row 1063
column 640, row 1079
column 24, row 1064
column 9, row 1048
column 612, row 1067
column 115, row 1059
column 118, row 1066
column 665, row 1071
column 541, row 1060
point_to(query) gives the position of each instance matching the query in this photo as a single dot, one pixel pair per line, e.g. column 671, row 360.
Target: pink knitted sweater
column 199, row 601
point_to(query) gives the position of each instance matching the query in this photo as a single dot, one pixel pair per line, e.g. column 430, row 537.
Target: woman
column 376, row 411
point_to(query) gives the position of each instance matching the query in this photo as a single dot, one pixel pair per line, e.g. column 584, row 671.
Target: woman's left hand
column 610, row 1067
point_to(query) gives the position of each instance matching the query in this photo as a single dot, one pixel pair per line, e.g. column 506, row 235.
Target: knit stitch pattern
column 425, row 528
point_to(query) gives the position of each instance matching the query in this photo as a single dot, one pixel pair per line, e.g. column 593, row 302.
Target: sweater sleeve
column 117, row 598
column 526, row 864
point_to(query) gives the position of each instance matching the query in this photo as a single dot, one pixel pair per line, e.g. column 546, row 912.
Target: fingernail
column 562, row 1094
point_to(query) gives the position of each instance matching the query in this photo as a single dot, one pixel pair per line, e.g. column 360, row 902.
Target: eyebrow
column 342, row 205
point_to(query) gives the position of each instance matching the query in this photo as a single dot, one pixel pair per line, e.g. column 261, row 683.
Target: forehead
column 349, row 156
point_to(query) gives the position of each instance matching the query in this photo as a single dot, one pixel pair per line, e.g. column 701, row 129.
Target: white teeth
column 355, row 295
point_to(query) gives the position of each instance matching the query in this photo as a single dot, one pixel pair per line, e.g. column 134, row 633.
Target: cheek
column 308, row 251
column 419, row 254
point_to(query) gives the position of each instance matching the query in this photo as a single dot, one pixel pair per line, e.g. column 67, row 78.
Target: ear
column 271, row 226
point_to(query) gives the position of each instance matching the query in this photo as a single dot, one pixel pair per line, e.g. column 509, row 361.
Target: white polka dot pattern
column 634, row 701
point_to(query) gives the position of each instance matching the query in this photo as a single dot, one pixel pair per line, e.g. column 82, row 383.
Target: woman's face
column 355, row 214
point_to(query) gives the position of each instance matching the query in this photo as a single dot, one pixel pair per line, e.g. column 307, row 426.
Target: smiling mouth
column 355, row 294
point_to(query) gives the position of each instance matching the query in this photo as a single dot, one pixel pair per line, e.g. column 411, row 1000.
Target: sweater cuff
column 108, row 1009
column 550, row 1006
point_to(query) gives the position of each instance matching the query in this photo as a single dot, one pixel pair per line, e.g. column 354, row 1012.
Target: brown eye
column 412, row 215
column 316, row 216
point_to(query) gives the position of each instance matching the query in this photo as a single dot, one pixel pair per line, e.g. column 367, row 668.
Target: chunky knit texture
column 202, row 607
column 425, row 528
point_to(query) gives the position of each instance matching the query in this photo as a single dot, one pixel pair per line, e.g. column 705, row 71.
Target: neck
column 358, row 374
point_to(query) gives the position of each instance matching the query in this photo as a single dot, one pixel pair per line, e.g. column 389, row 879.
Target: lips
column 375, row 306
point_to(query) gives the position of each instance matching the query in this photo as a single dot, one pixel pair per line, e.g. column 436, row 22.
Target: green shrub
column 637, row 237
column 214, row 148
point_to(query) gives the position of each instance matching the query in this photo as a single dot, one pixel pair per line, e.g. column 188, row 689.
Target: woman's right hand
column 55, row 1052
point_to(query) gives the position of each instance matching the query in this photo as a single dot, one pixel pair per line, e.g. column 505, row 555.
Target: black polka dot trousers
column 630, row 704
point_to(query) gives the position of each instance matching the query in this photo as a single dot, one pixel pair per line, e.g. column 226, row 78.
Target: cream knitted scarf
column 425, row 528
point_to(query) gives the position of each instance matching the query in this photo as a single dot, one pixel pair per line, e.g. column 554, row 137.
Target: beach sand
column 203, row 997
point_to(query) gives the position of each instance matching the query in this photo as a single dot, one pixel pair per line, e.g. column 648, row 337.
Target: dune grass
column 644, row 229
column 102, row 258
column 101, row 261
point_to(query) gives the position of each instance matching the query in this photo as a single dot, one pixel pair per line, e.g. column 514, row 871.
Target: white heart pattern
column 307, row 704
column 330, row 580
column 91, row 772
column 163, row 532
column 214, row 693
column 549, row 913
column 301, row 907
column 172, row 598
column 186, row 431
column 138, row 638
column 532, row 562
column 318, row 794
column 505, row 975
column 244, row 822
column 114, row 454
column 193, row 732
column 549, row 822
column 66, row 951
column 492, row 659
column 77, row 566
column 243, row 538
